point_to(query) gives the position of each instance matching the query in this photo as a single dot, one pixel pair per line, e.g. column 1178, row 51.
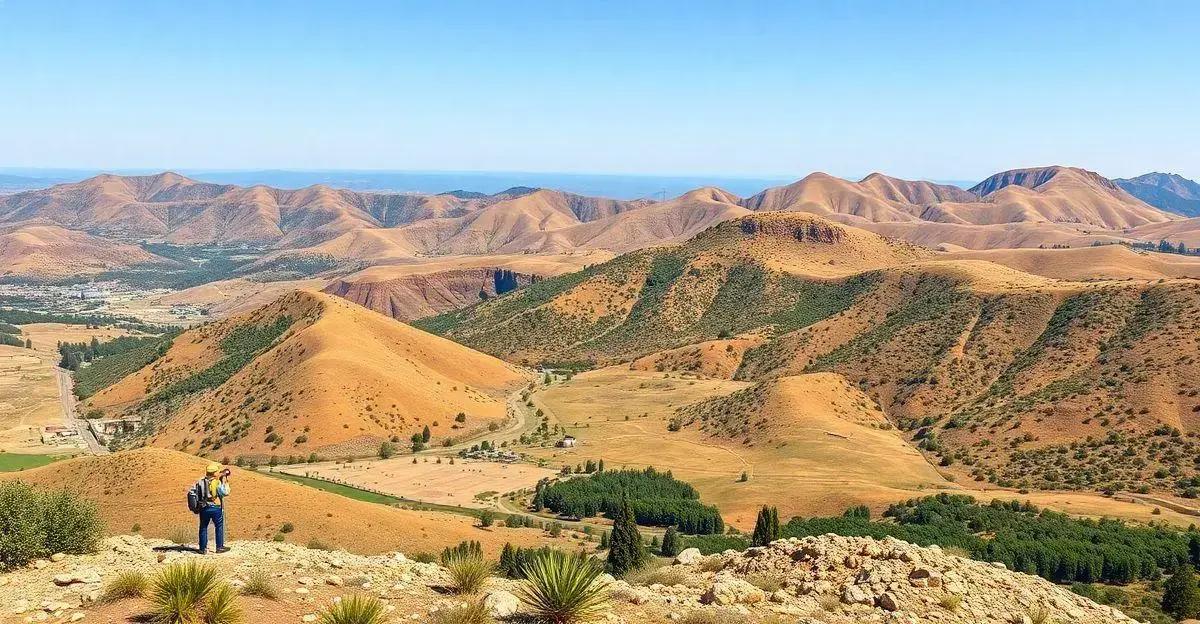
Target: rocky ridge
column 830, row 579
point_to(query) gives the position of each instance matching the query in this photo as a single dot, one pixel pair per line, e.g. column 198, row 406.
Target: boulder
column 501, row 604
column 689, row 556
column 730, row 591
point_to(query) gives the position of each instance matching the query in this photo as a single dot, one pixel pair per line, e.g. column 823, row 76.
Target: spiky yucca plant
column 127, row 584
column 563, row 589
column 222, row 607
column 189, row 593
column 468, row 571
column 356, row 609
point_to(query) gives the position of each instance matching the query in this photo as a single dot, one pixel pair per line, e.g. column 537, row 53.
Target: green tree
column 766, row 527
column 625, row 544
column 670, row 543
column 386, row 450
column 425, row 434
column 1181, row 597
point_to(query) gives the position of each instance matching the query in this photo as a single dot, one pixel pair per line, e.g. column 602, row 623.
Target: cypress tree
column 625, row 545
column 425, row 435
column 1194, row 549
column 604, row 541
column 670, row 543
column 766, row 527
column 1181, row 598
column 506, row 561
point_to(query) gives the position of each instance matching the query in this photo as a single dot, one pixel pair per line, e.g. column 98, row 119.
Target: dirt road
column 71, row 417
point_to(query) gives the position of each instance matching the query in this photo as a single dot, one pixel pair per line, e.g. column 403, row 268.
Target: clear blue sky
column 945, row 90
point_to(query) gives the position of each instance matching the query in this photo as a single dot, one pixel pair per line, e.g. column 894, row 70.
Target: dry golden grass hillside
column 145, row 488
column 1001, row 375
column 310, row 373
column 49, row 252
column 778, row 271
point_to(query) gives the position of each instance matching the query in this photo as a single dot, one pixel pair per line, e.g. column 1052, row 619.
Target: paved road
column 70, row 417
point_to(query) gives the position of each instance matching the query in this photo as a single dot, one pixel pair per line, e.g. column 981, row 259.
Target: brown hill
column 145, row 488
column 762, row 270
column 421, row 288
column 1019, row 208
column 1090, row 263
column 1186, row 231
column 309, row 373
column 1001, row 360
column 47, row 252
column 176, row 209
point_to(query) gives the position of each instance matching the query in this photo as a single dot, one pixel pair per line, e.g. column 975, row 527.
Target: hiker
column 207, row 500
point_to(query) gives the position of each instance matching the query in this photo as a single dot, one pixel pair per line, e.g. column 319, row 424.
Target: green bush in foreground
column 563, row 589
column 469, row 572
column 128, row 584
column 37, row 523
column 190, row 593
column 355, row 609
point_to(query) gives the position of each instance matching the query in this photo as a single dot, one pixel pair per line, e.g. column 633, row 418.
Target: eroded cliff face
column 416, row 296
column 801, row 227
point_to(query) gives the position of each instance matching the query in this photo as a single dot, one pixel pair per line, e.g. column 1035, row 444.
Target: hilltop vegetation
column 658, row 299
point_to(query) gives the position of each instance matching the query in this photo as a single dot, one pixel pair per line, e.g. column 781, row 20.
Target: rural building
column 567, row 442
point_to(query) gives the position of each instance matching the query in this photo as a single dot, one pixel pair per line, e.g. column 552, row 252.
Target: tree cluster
column 656, row 499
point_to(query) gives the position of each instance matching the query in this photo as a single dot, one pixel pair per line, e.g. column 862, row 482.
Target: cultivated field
column 462, row 484
column 29, row 393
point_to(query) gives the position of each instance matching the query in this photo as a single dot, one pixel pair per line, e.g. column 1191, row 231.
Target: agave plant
column 562, row 588
column 469, row 571
column 356, row 609
column 189, row 593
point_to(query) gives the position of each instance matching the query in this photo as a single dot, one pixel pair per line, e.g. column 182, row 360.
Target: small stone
column 688, row 556
column 309, row 617
column 38, row 564
column 333, row 580
column 75, row 617
column 301, row 590
column 56, row 557
column 887, row 601
column 853, row 594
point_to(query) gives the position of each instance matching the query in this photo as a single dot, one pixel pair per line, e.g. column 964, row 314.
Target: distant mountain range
column 1169, row 191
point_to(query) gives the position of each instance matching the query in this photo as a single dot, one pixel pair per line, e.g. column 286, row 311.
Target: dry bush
column 259, row 584
column 950, row 602
column 769, row 582
column 471, row 613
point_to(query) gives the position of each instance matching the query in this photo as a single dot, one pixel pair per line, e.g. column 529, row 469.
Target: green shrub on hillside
column 241, row 346
column 36, row 523
column 1023, row 537
column 657, row 498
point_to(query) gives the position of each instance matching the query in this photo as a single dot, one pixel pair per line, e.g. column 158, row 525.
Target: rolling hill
column 420, row 288
column 44, row 252
column 765, row 270
column 1000, row 373
column 144, row 488
column 1168, row 191
column 309, row 373
column 176, row 209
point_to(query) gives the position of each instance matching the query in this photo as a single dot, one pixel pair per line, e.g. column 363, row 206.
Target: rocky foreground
column 829, row 579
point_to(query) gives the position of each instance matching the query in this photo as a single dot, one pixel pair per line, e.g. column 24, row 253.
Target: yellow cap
column 214, row 468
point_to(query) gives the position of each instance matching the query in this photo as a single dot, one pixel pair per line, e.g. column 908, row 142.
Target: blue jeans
column 216, row 515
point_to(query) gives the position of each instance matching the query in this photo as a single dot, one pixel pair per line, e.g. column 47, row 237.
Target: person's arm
column 223, row 487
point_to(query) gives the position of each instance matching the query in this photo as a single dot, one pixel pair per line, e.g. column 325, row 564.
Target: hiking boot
column 223, row 549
